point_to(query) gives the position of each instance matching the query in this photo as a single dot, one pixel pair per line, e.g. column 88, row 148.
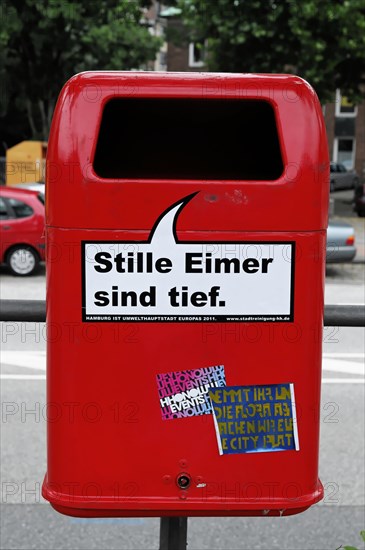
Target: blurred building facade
column 345, row 123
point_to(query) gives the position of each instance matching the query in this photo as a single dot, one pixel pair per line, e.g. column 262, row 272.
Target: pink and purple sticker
column 186, row 393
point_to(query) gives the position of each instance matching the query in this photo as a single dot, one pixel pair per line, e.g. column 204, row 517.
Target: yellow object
column 345, row 102
column 25, row 162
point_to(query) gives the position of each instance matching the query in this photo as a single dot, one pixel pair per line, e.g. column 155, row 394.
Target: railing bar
column 35, row 311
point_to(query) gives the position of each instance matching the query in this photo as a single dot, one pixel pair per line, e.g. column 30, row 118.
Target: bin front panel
column 184, row 319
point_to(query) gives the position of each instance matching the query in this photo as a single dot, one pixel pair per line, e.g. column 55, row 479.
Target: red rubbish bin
column 186, row 219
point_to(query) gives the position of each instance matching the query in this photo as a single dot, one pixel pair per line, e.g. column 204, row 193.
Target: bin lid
column 124, row 146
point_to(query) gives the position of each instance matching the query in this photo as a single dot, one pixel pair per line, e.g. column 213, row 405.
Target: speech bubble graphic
column 165, row 279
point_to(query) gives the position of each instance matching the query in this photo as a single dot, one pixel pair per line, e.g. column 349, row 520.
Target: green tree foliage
column 324, row 42
column 45, row 42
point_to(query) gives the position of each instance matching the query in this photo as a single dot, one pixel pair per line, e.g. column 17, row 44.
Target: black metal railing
column 35, row 310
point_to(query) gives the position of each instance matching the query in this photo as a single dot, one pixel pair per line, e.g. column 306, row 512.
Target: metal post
column 173, row 533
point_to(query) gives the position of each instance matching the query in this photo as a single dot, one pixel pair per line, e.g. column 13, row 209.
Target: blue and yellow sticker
column 254, row 419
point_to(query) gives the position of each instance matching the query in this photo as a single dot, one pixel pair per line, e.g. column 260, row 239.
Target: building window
column 344, row 152
column 344, row 107
column 196, row 54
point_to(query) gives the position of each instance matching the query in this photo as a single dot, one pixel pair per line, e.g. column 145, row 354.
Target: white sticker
column 167, row 280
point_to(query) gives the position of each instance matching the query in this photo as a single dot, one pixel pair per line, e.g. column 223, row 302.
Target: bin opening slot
column 183, row 139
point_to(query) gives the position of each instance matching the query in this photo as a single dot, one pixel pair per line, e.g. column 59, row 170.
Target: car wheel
column 22, row 260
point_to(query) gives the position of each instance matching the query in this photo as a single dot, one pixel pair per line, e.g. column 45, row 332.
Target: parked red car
column 22, row 243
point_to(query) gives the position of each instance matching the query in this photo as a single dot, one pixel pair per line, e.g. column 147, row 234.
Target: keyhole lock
column 183, row 481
